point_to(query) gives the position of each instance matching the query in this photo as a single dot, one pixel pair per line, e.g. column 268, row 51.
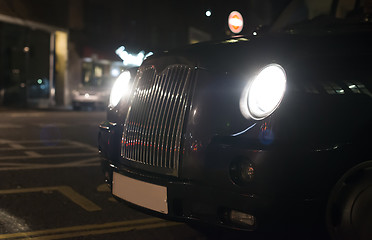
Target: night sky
column 142, row 24
column 154, row 25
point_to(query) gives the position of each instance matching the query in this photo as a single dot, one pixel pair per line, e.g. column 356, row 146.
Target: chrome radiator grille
column 152, row 134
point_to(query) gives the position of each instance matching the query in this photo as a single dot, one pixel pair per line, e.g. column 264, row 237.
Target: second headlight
column 120, row 88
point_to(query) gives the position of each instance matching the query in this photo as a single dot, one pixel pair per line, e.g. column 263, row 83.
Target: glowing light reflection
column 244, row 131
column 129, row 59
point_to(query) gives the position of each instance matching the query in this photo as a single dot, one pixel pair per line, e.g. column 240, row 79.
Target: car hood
column 319, row 67
column 244, row 53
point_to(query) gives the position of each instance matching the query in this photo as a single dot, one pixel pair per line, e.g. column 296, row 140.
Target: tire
column 349, row 208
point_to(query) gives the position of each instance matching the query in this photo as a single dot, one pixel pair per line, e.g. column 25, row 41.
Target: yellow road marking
column 50, row 156
column 103, row 188
column 33, row 154
column 16, row 146
column 65, row 190
column 43, row 166
column 79, row 199
column 105, row 231
column 94, row 229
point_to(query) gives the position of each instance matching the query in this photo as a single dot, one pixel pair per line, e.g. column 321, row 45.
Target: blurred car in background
column 254, row 132
column 90, row 98
column 93, row 91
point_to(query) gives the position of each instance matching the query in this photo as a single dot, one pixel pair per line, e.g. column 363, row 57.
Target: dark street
column 51, row 185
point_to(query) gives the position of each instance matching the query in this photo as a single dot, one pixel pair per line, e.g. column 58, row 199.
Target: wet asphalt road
column 51, row 186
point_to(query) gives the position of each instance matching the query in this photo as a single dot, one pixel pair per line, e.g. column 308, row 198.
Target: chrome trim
column 152, row 136
column 106, row 125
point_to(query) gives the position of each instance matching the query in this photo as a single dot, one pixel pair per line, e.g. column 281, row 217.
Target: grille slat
column 150, row 120
column 146, row 106
column 143, row 141
column 172, row 118
column 153, row 129
column 164, row 118
column 177, row 133
column 135, row 121
column 158, row 148
column 138, row 123
column 155, row 108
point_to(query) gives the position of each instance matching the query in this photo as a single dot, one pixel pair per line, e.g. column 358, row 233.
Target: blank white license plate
column 141, row 193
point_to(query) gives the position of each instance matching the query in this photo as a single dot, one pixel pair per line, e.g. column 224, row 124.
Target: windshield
column 95, row 75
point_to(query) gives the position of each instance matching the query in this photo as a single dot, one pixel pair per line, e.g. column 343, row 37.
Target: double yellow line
column 94, row 229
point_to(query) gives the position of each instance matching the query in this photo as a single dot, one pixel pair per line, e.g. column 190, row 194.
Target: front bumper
column 189, row 199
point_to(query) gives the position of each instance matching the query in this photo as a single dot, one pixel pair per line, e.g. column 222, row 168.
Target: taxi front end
column 247, row 133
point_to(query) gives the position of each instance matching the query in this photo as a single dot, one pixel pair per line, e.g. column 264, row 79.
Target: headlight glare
column 265, row 92
column 120, row 88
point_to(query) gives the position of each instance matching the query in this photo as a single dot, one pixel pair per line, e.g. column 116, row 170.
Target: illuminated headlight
column 265, row 93
column 120, row 88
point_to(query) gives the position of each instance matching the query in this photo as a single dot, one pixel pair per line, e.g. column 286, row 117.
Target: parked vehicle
column 251, row 132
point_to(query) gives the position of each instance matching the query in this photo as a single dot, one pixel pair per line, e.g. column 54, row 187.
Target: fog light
column 242, row 171
column 242, row 218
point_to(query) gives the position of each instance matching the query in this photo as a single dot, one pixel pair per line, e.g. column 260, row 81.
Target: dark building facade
column 47, row 46
column 33, row 53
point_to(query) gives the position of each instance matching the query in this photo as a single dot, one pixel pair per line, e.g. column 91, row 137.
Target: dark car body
column 182, row 129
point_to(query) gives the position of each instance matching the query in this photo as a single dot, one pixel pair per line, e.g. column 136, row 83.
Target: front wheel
column 349, row 208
